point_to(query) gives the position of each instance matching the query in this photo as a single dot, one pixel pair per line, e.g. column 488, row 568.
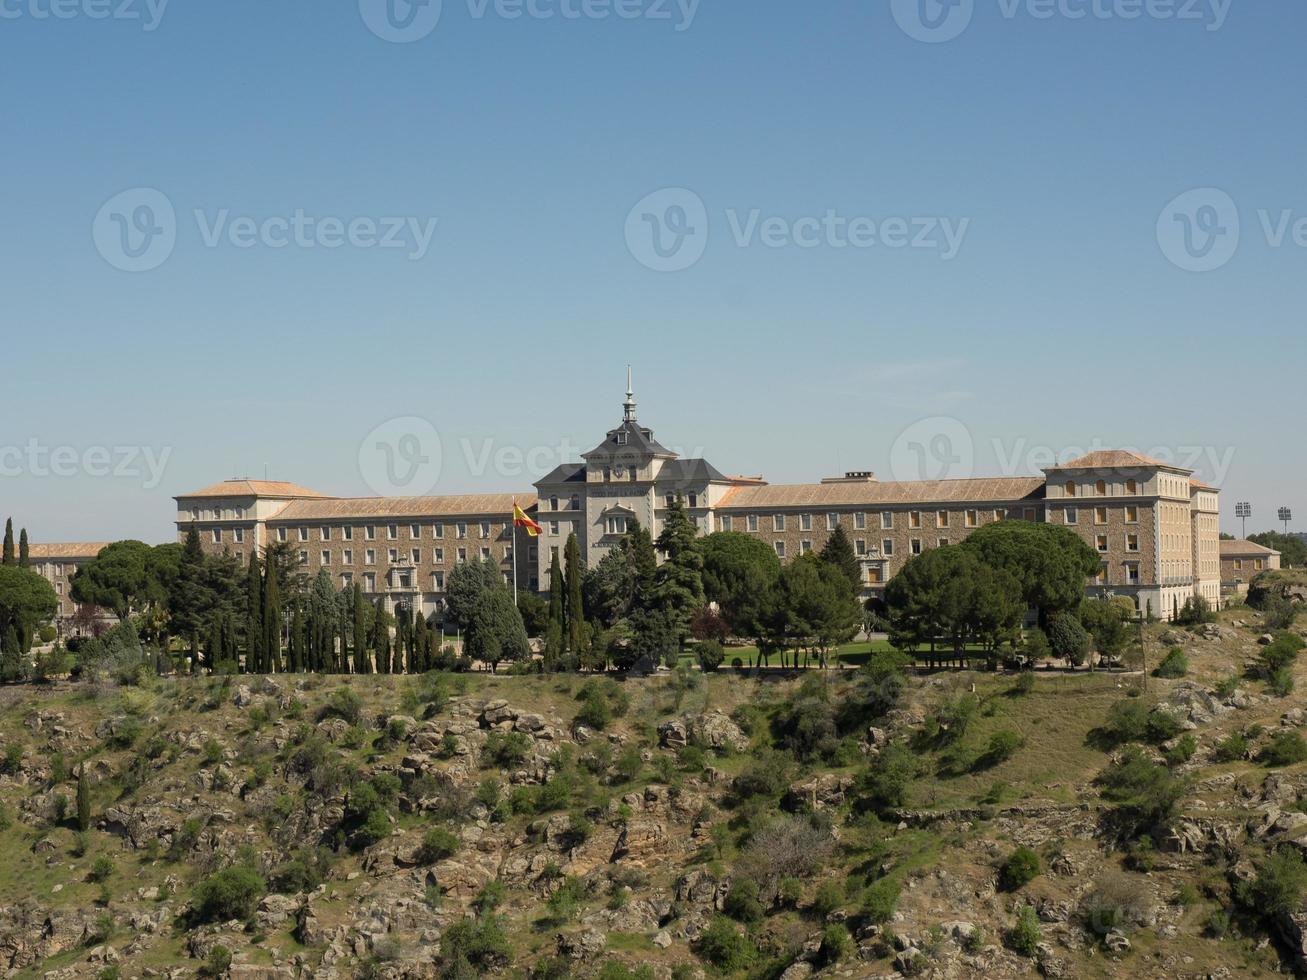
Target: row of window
column 1100, row 488
column 414, row 556
column 916, row 519
column 1103, row 542
column 1101, row 514
column 325, row 532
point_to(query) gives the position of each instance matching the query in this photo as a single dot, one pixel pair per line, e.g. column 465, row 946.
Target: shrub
column 1279, row 612
column 829, row 897
column 504, row 750
column 1037, row 647
column 1195, row 612
column 742, row 903
column 1181, row 751
column 595, row 712
column 232, row 893
column 437, row 844
column 711, row 655
column 1232, row 749
column 344, row 703
column 47, row 634
column 1146, row 794
column 1279, row 886
column 1116, row 902
column 885, row 783
column 1281, row 682
column 1174, row 664
column 1281, row 652
column 724, row 946
column 218, row 961
column 212, row 752
column 12, row 761
column 836, row 944
column 880, row 901
column 1020, row 868
column 1069, row 639
column 1286, row 749
column 102, row 870
column 1025, row 935
column 1002, row 746
column 475, row 945
column 564, row 903
column 1127, row 721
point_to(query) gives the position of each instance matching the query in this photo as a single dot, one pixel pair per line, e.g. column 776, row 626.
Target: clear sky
column 884, row 253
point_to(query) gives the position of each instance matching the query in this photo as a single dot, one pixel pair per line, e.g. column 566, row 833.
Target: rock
column 819, row 792
column 717, row 731
column 662, row 939
column 1266, row 639
column 243, row 697
column 959, row 930
column 641, row 840
column 1116, row 942
column 797, row 971
column 673, row 734
column 529, row 724
column 906, row 961
column 584, row 946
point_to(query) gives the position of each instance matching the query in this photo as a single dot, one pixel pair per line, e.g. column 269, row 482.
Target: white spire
column 629, row 404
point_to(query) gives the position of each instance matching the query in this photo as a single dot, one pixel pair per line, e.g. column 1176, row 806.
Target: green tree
column 678, row 581
column 24, row 555
column 271, row 619
column 83, row 800
column 553, row 652
column 116, row 579
column 1050, row 563
column 578, row 631
column 8, row 554
column 191, row 601
column 838, row 551
column 464, row 587
column 359, row 622
column 497, row 632
column 738, row 570
column 27, row 601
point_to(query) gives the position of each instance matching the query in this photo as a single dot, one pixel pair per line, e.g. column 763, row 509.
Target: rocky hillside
column 845, row 823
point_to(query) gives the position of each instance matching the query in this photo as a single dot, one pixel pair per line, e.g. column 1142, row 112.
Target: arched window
column 1100, row 488
column 576, row 502
column 1070, row 488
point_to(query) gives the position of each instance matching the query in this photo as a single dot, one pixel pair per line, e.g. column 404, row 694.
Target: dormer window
column 576, row 502
column 621, row 438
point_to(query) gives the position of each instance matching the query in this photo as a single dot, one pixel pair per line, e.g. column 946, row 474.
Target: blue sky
column 1052, row 146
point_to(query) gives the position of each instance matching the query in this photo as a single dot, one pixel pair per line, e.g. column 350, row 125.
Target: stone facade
column 57, row 563
column 1243, row 561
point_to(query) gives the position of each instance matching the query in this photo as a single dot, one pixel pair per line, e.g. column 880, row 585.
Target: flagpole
column 512, row 522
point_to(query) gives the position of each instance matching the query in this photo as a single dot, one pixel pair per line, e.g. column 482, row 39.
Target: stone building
column 57, row 563
column 1155, row 527
column 1243, row 561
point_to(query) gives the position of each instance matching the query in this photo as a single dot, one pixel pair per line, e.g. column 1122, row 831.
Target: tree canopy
column 1050, row 564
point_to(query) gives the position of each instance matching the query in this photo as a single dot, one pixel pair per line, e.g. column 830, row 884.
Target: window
column 887, row 520
column 324, row 533
column 281, row 534
column 370, row 556
column 1132, row 542
column 860, row 546
column 553, row 503
column 304, row 557
column 1069, row 488
column 805, row 546
column 392, row 555
column 462, row 555
column 832, row 521
column 1000, row 515
column 914, row 519
column 392, row 532
column 415, row 531
column 1132, row 488
column 485, row 530
column 941, row 519
column 369, row 581
column 1132, row 515
column 438, row 581
column 874, row 576
column 438, row 556
column 347, row 532
column 576, row 502
column 239, row 535
column 508, row 553
column 670, row 500
column 485, row 554
column 1101, row 542
column 805, row 522
column 349, row 556
column 972, row 518
column 943, row 542
column 239, row 513
column 621, row 438
column 780, row 548
column 437, row 530
column 726, row 522
column 461, row 529
column 326, row 558
column 1100, row 488
column 694, row 500
column 217, row 535
column 370, row 533
column 347, row 579
column 1101, row 577
column 553, row 528
column 195, row 513
column 59, row 587
column 303, row 533
column 915, row 546
column 859, row 521
column 778, row 522
column 616, row 524
column 1131, row 574
column 217, row 513
column 1072, row 515
column 887, row 548
column 1029, row 514
column 415, row 556
column 1100, row 515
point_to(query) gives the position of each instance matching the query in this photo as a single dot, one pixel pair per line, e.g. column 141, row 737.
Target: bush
column 1037, row 647
column 1279, row 886
column 505, row 750
column 47, row 634
column 474, row 945
column 1002, row 746
column 1020, row 868
column 885, row 783
column 344, row 703
column 218, row 961
column 1281, row 682
column 1281, row 652
column 12, row 761
column 724, row 946
column 1069, row 639
column 1025, row 935
column 881, row 901
column 711, row 655
column 1286, row 749
column 232, row 893
column 1181, row 751
column 742, row 903
column 1174, row 664
column 595, row 712
column 836, row 944
column 1146, row 794
column 1115, row 903
column 437, row 844
column 1195, row 612
column 1279, row 612
column 102, row 870
column 1232, row 749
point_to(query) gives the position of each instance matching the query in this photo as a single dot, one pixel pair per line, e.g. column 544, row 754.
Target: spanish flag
column 521, row 520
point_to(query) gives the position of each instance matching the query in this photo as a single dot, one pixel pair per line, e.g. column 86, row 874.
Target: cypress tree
column 253, row 617
column 295, row 650
column 271, row 620
column 24, row 558
column 553, row 652
column 8, row 556
column 838, row 552
column 83, row 800
column 362, row 664
column 645, row 559
column 577, row 634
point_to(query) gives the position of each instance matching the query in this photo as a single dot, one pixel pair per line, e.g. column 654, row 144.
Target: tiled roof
column 1000, row 490
column 77, row 550
column 470, row 505
column 253, row 488
column 1245, row 549
column 639, row 441
column 1114, row 459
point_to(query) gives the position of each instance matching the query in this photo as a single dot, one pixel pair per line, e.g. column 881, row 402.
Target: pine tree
column 83, row 800
column 645, row 559
column 362, row 663
column 678, row 582
column 553, row 653
column 24, row 558
column 578, row 635
column 8, row 556
column 253, row 617
column 838, row 551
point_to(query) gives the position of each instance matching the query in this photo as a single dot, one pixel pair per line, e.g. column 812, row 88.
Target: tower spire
column 629, row 404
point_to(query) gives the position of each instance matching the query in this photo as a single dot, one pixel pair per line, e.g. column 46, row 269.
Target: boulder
column 673, row 734
column 717, row 731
